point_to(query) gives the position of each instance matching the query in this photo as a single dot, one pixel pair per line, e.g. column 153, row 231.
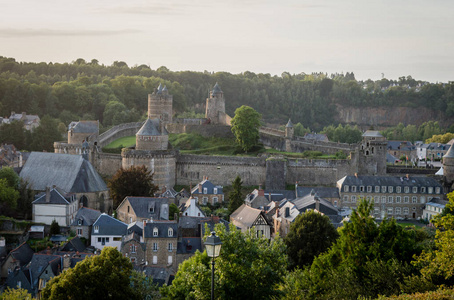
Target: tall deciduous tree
column 310, row 234
column 134, row 181
column 249, row 267
column 245, row 126
column 104, row 276
column 235, row 196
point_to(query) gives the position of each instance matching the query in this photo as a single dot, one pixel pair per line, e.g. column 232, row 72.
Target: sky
column 370, row 38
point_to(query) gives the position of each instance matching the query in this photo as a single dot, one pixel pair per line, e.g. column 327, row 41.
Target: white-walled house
column 55, row 204
column 191, row 209
column 434, row 207
column 107, row 231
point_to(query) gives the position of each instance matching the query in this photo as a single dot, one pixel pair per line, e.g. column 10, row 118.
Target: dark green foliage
column 343, row 134
column 11, row 177
column 173, row 210
column 54, row 228
column 134, row 181
column 235, row 195
column 104, row 276
column 245, row 127
column 310, row 234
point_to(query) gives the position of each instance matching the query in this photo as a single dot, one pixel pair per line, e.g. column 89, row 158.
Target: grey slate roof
column 289, row 124
column 135, row 228
column 151, row 127
column 418, row 181
column 23, row 254
column 163, row 229
column 38, row 263
column 142, row 205
column 372, row 133
column 438, row 202
column 308, row 202
column 160, row 275
column 216, row 89
column 400, row 145
column 84, row 126
column 189, row 245
column 390, row 158
column 109, row 226
column 72, row 173
column 450, row 152
column 86, row 216
column 159, row 91
column 56, row 197
column 75, row 244
column 209, row 186
column 322, row 192
column 245, row 216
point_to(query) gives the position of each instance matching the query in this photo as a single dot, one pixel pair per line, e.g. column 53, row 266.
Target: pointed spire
column 159, row 89
column 450, row 153
column 216, row 89
column 289, row 124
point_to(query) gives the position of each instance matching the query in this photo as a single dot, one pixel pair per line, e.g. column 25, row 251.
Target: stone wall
column 221, row 170
column 119, row 131
column 106, row 163
column 206, row 130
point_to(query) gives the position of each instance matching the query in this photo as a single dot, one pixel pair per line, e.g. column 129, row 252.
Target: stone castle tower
column 289, row 131
column 160, row 104
column 215, row 106
column 448, row 168
column 152, row 142
column 372, row 154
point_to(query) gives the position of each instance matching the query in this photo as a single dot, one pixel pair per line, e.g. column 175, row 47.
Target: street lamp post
column 213, row 245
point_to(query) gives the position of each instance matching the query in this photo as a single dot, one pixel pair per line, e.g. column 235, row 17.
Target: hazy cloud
column 10, row 32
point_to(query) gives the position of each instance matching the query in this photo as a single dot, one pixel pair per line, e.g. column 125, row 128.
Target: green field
column 127, row 141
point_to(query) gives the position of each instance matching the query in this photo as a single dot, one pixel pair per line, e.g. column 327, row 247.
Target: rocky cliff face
column 390, row 116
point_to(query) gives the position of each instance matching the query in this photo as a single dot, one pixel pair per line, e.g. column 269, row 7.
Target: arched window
column 155, row 231
column 170, row 232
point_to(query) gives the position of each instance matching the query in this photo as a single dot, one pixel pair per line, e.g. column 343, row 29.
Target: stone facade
column 160, row 105
column 161, row 240
column 133, row 249
column 215, row 106
column 372, row 154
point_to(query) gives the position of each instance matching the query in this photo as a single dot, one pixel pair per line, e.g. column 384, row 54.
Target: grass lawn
column 406, row 224
column 126, row 141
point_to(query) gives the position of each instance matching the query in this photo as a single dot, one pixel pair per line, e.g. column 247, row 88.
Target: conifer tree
column 235, row 196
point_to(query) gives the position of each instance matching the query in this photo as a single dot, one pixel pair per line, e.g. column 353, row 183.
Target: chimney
column 356, row 175
column 47, row 194
column 200, row 188
column 317, row 203
column 261, row 192
column 66, row 262
column 408, row 176
column 296, row 189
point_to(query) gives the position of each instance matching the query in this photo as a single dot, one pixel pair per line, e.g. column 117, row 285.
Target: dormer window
column 377, row 189
column 205, row 190
column 155, row 231
column 170, row 232
column 215, row 190
column 346, row 188
column 406, row 189
column 96, row 229
column 437, row 190
column 79, row 222
column 398, row 189
column 353, row 189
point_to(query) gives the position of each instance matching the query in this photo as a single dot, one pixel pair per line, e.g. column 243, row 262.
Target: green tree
column 54, row 228
column 235, row 196
column 310, row 234
column 249, row 267
column 134, row 181
column 104, row 276
column 245, row 127
column 143, row 286
column 8, row 197
column 11, row 177
column 173, row 209
column 44, row 136
column 15, row 294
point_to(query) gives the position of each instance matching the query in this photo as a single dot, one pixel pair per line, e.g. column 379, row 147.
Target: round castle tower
column 448, row 166
column 160, row 104
column 289, row 130
column 215, row 106
column 152, row 142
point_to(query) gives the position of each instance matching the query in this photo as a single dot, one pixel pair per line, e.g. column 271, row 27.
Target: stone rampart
column 119, row 131
column 206, row 130
column 106, row 163
column 220, row 169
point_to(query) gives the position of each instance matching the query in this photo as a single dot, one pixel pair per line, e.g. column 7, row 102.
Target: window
column 376, row 210
column 413, row 208
column 155, row 231
column 397, row 210
column 389, row 210
column 117, row 239
column 383, row 199
column 415, row 189
column 215, row 190
column 377, row 199
column 430, row 190
column 398, row 189
column 437, row 190
column 79, row 222
column 383, row 189
column 345, row 198
column 205, row 190
column 128, row 208
column 170, row 247
column 155, row 260
column 423, row 199
column 353, row 199
column 133, row 248
column 406, row 190
column 96, row 229
column 405, row 209
column 335, row 203
column 259, row 233
column 99, row 240
column 79, row 231
column 345, row 188
column 353, row 189
column 169, row 259
column 406, row 199
column 368, row 198
column 107, row 240
column 215, row 200
column 390, row 199
column 205, row 200
column 369, row 189
column 390, row 189
column 423, row 189
column 170, row 232
column 361, row 188
column 398, row 200
column 155, row 246
column 414, row 199
column 377, row 189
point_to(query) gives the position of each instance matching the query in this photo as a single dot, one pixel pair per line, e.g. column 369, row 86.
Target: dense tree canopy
column 248, row 267
column 310, row 234
column 245, row 127
column 235, row 195
column 134, row 181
